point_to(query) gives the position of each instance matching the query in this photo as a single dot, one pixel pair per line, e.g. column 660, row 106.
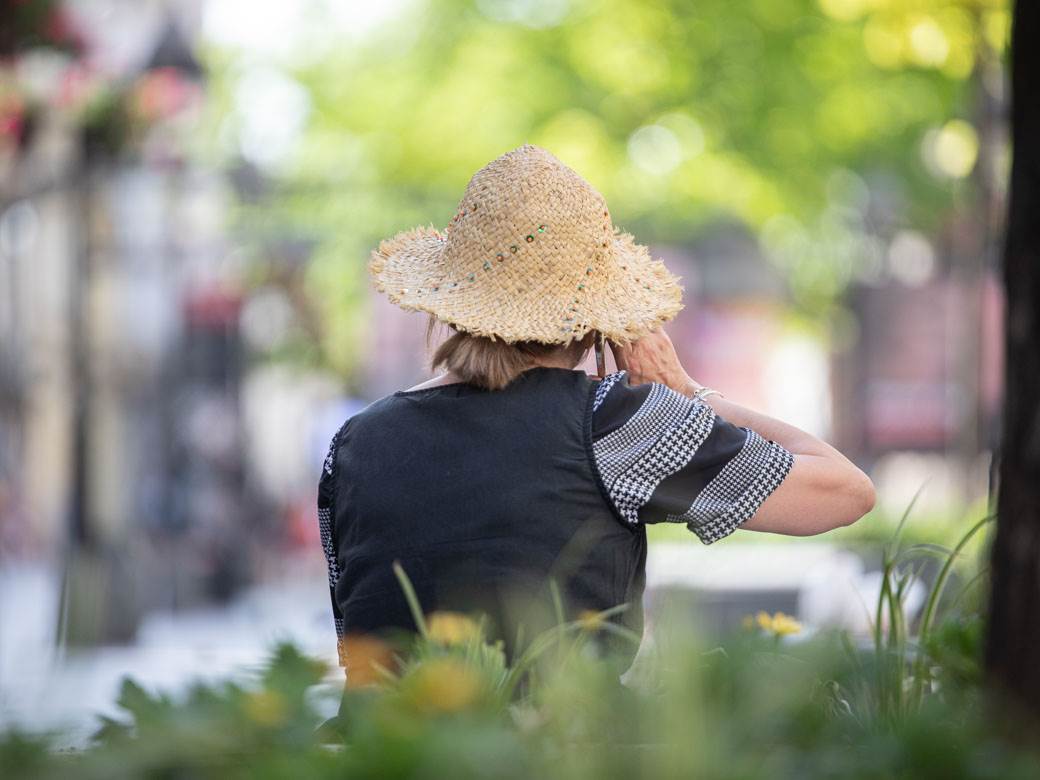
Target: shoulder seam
column 604, row 386
column 590, row 453
column 326, row 529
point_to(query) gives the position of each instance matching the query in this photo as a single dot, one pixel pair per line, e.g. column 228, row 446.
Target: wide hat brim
column 627, row 297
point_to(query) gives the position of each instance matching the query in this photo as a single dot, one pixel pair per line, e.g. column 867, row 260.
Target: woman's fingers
column 651, row 359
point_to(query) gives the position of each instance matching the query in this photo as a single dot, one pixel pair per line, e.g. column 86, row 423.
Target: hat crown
column 528, row 209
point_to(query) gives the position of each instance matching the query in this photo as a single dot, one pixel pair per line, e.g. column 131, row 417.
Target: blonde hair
column 493, row 364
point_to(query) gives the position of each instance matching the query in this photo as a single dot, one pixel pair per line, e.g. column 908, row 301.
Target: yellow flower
column 785, row 624
column 451, row 628
column 764, row 621
column 778, row 623
column 590, row 620
column 267, row 708
column 363, row 656
column 444, row 685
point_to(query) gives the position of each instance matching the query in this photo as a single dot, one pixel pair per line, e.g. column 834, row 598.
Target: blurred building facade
column 121, row 436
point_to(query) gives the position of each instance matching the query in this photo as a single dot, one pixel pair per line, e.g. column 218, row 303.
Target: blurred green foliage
column 769, row 703
column 788, row 116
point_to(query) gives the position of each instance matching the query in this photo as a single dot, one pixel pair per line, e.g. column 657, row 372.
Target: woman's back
column 482, row 496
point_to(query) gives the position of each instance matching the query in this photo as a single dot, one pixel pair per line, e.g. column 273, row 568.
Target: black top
column 482, row 496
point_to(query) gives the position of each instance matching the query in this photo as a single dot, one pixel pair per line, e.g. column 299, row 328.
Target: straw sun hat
column 530, row 255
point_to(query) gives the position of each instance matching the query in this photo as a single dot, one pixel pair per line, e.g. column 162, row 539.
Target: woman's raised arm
column 822, row 491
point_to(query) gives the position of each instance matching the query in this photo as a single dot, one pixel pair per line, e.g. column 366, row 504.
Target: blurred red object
column 162, row 93
column 212, row 307
column 301, row 528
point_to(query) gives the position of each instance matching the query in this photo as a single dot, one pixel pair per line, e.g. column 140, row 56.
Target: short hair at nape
column 492, row 363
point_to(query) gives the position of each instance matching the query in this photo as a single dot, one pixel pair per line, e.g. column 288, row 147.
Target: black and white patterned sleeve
column 664, row 457
column 326, row 519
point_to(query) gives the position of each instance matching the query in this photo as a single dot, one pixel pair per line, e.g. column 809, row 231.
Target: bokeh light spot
column 844, row 10
column 951, row 150
column 928, row 43
column 655, row 149
column 911, row 258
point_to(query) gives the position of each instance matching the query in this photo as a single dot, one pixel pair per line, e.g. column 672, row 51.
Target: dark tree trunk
column 1013, row 639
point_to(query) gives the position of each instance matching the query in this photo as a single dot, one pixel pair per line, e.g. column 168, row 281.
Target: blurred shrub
column 770, row 703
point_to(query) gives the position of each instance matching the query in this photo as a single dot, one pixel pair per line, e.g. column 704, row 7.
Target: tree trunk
column 1013, row 637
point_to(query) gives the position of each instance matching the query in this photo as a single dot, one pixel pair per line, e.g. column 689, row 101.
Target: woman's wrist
column 689, row 386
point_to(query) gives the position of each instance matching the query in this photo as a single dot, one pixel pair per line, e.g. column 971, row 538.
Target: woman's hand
column 653, row 359
column 823, row 490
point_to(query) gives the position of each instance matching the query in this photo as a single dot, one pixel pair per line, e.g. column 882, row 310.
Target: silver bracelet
column 704, row 392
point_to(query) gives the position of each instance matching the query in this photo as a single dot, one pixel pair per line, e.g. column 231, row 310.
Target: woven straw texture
column 530, row 255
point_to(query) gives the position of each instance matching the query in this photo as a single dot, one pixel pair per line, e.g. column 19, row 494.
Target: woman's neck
column 451, row 378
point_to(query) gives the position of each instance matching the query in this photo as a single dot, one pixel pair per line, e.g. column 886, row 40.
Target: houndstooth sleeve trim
column 737, row 492
column 664, row 456
column 604, row 387
column 326, row 521
column 657, row 441
column 633, row 486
